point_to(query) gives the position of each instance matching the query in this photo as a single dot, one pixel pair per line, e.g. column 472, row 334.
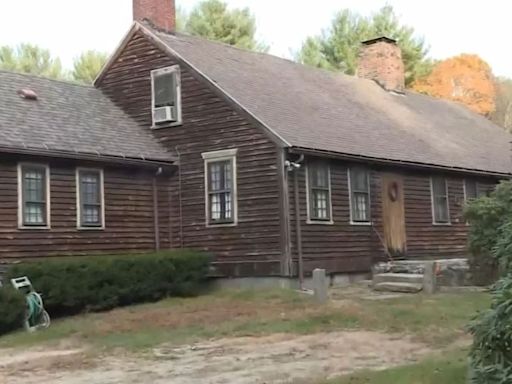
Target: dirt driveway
column 281, row 358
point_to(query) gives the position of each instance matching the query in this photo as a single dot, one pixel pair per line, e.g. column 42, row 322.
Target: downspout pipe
column 295, row 167
column 156, row 221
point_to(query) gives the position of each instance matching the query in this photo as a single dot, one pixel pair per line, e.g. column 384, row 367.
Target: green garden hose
column 36, row 314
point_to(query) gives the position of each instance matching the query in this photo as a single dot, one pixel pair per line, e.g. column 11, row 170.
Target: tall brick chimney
column 380, row 59
column 160, row 13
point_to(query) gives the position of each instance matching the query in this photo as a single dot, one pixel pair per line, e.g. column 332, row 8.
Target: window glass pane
column 320, row 204
column 319, row 176
column 33, row 180
column 34, row 213
column 441, row 210
column 220, row 185
column 359, row 179
column 215, row 176
column 470, row 189
column 440, row 200
column 90, row 198
column 360, row 207
column 165, row 89
column 90, row 214
column 439, row 186
column 227, row 174
column 90, row 188
column 34, row 195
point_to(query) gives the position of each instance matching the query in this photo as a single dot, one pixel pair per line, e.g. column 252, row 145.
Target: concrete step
column 398, row 278
column 398, row 287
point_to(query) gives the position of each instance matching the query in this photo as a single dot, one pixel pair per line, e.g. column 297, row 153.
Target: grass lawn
column 450, row 368
column 436, row 320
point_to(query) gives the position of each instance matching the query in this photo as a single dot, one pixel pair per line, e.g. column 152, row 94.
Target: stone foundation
column 450, row 273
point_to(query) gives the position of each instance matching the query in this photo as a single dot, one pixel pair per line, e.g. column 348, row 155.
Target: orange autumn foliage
column 465, row 78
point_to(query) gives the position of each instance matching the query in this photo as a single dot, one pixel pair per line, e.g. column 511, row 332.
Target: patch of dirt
column 281, row 358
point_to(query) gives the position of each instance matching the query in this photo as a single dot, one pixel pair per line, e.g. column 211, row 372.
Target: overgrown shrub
column 96, row 283
column 490, row 234
column 491, row 353
column 12, row 309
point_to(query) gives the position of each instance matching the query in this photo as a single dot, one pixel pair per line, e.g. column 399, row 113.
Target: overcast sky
column 68, row 27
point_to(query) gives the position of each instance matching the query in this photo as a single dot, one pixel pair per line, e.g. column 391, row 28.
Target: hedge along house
column 279, row 167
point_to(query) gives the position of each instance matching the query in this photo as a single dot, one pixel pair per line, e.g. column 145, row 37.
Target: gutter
column 140, row 162
column 384, row 161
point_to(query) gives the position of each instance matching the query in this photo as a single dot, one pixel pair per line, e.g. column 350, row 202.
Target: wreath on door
column 393, row 191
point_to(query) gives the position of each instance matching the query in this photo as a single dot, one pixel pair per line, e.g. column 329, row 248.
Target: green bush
column 491, row 353
column 73, row 285
column 12, row 309
column 490, row 234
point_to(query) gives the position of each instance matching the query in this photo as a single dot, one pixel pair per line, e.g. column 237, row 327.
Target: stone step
column 398, row 287
column 398, row 278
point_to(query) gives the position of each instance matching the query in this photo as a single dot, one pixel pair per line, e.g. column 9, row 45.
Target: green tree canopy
column 87, row 66
column 29, row 58
column 337, row 48
column 213, row 20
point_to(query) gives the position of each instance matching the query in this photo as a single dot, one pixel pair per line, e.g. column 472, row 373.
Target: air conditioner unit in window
column 164, row 114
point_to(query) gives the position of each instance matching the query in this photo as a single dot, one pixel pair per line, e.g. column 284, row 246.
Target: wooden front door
column 393, row 215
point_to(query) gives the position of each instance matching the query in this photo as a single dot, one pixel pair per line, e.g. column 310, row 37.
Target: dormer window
column 166, row 96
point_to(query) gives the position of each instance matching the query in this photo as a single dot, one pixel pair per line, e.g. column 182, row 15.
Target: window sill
column 362, row 223
column 442, row 224
column 319, row 222
column 91, row 228
column 166, row 125
column 35, row 227
column 214, row 225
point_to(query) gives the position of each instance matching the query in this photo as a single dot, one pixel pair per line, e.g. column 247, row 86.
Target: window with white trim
column 470, row 190
column 359, row 185
column 319, row 191
column 220, row 187
column 440, row 203
column 90, row 198
column 166, row 96
column 34, row 195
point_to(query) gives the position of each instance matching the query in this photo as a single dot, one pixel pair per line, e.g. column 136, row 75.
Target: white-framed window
column 440, row 201
column 470, row 190
column 318, row 181
column 90, row 198
column 33, row 196
column 166, row 96
column 220, row 187
column 359, row 189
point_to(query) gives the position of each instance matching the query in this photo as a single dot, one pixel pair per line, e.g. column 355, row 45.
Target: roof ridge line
column 61, row 81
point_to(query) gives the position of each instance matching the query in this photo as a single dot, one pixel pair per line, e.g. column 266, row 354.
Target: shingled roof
column 70, row 118
column 325, row 111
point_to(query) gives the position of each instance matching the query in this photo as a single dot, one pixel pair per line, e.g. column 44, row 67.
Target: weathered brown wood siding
column 342, row 247
column 338, row 247
column 210, row 123
column 129, row 220
column 428, row 240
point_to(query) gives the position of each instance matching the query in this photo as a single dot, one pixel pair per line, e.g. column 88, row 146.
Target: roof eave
column 387, row 161
column 96, row 157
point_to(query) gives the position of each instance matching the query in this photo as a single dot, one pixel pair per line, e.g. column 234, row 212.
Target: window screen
column 360, row 195
column 440, row 206
column 319, row 191
column 34, row 196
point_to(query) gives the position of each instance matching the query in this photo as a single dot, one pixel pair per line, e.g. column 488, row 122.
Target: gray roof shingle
column 68, row 117
column 321, row 110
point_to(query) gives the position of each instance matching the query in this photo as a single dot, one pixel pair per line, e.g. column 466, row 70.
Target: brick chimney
column 380, row 59
column 160, row 13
